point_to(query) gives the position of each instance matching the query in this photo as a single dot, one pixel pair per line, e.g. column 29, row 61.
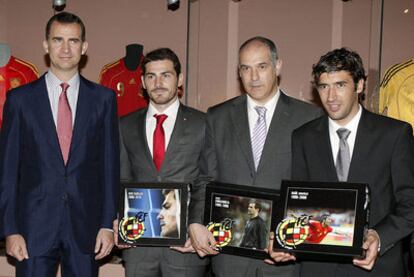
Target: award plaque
column 240, row 218
column 322, row 221
column 153, row 214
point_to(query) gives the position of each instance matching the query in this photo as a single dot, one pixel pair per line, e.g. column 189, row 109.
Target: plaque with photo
column 322, row 221
column 240, row 218
column 153, row 214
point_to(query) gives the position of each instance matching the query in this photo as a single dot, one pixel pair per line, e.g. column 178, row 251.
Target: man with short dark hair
column 351, row 144
column 59, row 163
column 255, row 232
column 163, row 143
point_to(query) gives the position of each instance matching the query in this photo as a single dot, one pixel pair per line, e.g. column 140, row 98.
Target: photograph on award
column 328, row 216
column 248, row 218
column 153, row 213
column 240, row 218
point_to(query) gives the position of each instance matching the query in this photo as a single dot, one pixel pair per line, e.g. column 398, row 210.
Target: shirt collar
column 270, row 105
column 53, row 80
column 171, row 111
column 351, row 125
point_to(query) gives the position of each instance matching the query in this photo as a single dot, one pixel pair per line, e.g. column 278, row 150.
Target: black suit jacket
column 182, row 162
column 35, row 183
column 229, row 159
column 383, row 157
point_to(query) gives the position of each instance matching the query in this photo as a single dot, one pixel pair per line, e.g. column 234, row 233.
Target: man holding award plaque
column 351, row 144
column 163, row 143
column 248, row 143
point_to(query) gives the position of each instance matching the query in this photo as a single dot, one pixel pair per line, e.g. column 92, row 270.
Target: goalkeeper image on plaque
column 152, row 214
column 240, row 218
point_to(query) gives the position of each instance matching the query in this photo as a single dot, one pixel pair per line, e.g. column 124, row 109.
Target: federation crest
column 292, row 231
column 221, row 231
column 132, row 228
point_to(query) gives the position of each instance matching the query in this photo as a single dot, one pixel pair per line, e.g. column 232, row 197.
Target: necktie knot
column 261, row 111
column 343, row 133
column 64, row 87
column 160, row 118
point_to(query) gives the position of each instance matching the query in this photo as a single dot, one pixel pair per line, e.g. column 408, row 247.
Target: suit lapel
column 322, row 143
column 178, row 132
column 43, row 114
column 364, row 137
column 277, row 130
column 240, row 122
column 83, row 113
column 142, row 136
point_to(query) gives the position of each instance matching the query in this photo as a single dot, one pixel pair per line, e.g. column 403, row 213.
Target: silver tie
column 259, row 135
column 343, row 159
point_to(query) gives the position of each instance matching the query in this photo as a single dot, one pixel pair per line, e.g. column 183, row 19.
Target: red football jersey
column 126, row 84
column 15, row 73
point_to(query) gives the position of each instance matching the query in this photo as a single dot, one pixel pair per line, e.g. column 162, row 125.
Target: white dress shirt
column 270, row 110
column 352, row 126
column 54, row 90
column 168, row 125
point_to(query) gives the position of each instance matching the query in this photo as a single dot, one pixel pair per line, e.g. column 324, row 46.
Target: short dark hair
column 257, row 205
column 337, row 60
column 162, row 54
column 65, row 18
column 270, row 44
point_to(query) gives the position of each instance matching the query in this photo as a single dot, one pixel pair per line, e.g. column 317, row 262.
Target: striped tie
column 259, row 135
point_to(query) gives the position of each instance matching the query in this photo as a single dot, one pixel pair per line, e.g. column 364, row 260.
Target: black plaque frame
column 347, row 203
column 223, row 201
column 145, row 203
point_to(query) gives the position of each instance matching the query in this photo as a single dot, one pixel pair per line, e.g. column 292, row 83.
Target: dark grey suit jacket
column 181, row 164
column 383, row 157
column 230, row 160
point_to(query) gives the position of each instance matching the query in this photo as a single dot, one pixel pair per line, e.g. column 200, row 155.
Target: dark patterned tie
column 64, row 122
column 343, row 160
column 158, row 146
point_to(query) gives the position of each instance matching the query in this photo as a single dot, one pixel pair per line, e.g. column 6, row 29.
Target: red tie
column 158, row 148
column 64, row 122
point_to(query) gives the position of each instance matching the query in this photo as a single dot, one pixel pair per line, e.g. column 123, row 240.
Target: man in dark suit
column 379, row 151
column 59, row 163
column 248, row 140
column 177, row 160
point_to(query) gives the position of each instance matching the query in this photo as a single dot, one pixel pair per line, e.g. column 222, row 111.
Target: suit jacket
column 383, row 157
column 35, row 184
column 182, row 162
column 229, row 152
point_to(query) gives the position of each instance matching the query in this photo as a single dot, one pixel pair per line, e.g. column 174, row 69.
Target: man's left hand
column 372, row 241
column 104, row 243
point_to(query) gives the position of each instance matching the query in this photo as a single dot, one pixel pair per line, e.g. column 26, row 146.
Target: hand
column 115, row 228
column 202, row 240
column 16, row 247
column 104, row 243
column 277, row 256
column 187, row 248
column 371, row 243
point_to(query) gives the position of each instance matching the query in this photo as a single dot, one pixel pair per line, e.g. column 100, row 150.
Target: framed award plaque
column 240, row 218
column 322, row 221
column 153, row 214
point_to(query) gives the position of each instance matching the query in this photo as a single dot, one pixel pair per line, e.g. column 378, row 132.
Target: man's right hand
column 202, row 240
column 16, row 247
